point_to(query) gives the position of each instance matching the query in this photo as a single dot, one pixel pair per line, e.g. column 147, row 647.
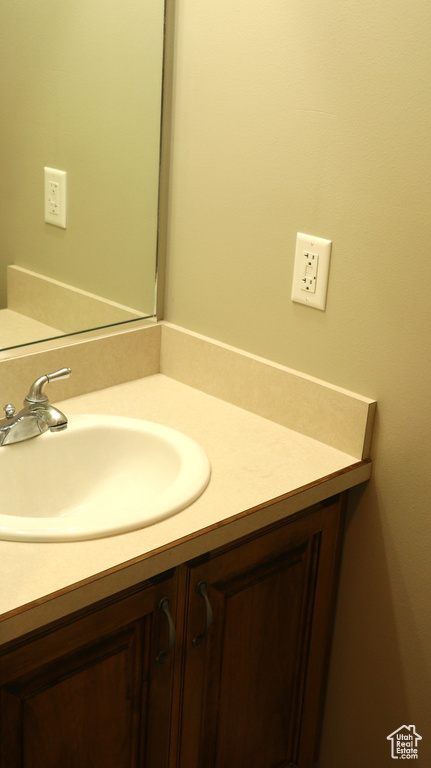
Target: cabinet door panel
column 261, row 644
column 104, row 703
column 72, row 713
column 245, row 686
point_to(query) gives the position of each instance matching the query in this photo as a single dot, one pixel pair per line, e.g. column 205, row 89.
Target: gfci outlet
column 311, row 270
column 55, row 197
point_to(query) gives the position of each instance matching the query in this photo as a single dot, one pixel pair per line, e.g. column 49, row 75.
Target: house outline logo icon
column 404, row 742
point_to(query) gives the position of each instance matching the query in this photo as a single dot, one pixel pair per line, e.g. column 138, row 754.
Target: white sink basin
column 103, row 475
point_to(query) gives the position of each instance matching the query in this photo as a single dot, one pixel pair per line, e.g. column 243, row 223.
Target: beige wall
column 80, row 91
column 316, row 117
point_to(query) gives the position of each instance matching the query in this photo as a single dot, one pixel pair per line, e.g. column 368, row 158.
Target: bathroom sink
column 103, row 475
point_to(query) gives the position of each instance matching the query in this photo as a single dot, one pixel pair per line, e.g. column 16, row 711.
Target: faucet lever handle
column 63, row 373
column 36, row 392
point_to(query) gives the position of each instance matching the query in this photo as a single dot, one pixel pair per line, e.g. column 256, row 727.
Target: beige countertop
column 254, row 461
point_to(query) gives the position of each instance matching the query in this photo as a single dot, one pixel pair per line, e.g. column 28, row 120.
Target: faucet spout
column 53, row 418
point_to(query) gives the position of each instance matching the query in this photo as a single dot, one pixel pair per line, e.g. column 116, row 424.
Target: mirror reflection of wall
column 81, row 88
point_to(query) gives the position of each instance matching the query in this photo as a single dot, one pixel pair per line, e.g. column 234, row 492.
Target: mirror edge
column 164, row 168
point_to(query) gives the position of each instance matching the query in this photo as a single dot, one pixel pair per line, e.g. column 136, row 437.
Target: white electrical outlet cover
column 301, row 291
column 55, row 197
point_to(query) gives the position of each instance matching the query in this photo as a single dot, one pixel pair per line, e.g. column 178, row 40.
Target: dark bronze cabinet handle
column 201, row 589
column 164, row 607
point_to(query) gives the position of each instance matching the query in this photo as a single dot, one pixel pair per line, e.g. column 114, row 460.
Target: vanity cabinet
column 243, row 686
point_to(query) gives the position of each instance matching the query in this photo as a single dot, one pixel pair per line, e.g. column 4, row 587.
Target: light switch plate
column 55, row 197
column 311, row 271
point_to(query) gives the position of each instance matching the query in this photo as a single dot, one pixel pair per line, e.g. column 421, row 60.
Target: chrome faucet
column 37, row 416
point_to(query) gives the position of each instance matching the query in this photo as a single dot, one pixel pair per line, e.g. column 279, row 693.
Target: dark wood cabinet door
column 90, row 693
column 252, row 688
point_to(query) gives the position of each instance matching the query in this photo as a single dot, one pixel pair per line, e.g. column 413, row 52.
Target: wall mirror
column 84, row 87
